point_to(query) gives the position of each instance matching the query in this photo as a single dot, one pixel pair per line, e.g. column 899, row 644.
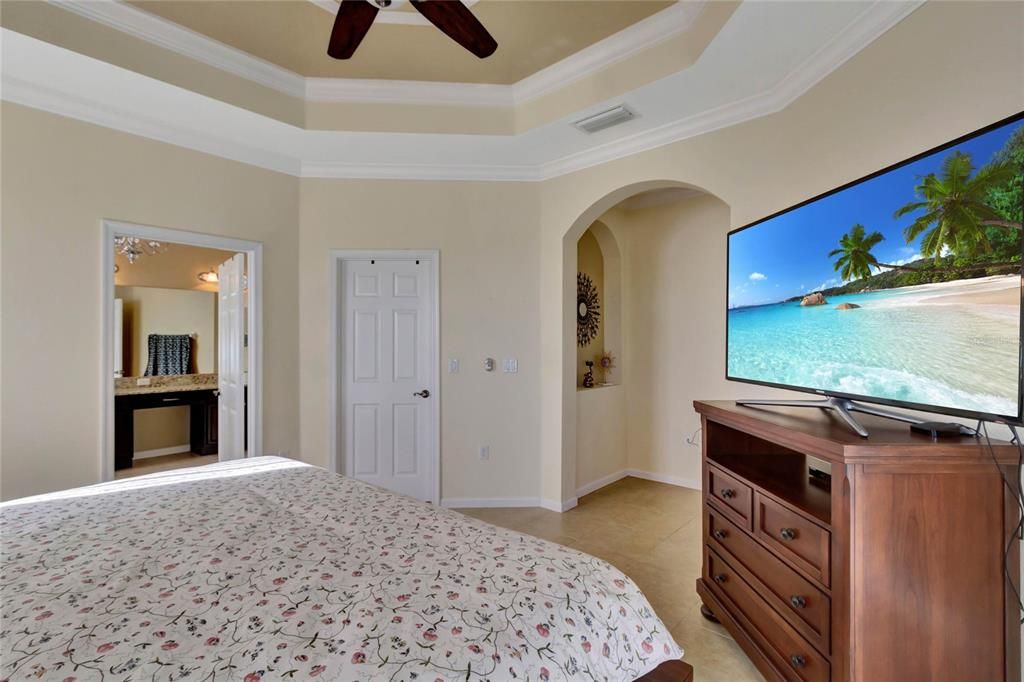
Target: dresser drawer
column 734, row 496
column 792, row 655
column 794, row 537
column 806, row 607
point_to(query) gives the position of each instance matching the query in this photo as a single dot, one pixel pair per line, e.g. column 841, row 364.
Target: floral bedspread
column 271, row 569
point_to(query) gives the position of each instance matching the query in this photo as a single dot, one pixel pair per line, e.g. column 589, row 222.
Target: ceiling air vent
column 605, row 119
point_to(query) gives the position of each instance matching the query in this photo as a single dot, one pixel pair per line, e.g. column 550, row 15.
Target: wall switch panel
column 453, row 366
column 485, row 452
column 511, row 365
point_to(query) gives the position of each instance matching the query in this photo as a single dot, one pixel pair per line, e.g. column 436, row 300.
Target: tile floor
column 151, row 465
column 652, row 533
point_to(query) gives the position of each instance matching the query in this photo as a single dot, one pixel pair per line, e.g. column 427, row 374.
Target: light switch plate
column 511, row 365
column 453, row 366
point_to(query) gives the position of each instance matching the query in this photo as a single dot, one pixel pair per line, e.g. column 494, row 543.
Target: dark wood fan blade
column 459, row 24
column 350, row 26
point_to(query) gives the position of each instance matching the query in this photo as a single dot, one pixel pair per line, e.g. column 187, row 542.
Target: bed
column 268, row 568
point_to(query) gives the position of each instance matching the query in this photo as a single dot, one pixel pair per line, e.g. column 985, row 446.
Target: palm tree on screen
column 956, row 207
column 855, row 260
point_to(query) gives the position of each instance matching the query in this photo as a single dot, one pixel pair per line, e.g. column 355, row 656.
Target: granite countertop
column 165, row 384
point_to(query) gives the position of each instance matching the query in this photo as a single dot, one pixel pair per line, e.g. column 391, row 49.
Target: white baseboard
column 173, row 450
column 566, row 505
column 556, row 506
column 476, row 502
column 588, row 488
column 691, row 483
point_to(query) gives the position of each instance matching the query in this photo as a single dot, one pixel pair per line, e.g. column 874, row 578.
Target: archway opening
column 651, row 250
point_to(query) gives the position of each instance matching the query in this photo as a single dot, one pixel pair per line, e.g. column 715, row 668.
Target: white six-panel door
column 230, row 351
column 387, row 357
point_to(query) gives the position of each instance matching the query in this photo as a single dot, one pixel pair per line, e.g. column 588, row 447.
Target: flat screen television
column 902, row 288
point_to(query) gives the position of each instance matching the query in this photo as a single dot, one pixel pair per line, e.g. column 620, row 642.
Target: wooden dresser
column 893, row 572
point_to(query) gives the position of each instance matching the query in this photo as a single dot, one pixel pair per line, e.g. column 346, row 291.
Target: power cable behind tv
column 1015, row 491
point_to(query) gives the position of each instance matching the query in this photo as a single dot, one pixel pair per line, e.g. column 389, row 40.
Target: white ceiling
column 767, row 55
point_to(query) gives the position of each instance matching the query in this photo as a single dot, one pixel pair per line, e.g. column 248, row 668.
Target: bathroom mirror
column 169, row 313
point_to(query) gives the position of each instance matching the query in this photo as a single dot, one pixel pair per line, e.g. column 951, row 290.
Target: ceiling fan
column 453, row 18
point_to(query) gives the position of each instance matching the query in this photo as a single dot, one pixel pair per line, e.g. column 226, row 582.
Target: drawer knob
column 797, row 661
column 720, row 534
column 787, row 534
column 797, row 601
column 728, row 493
column 720, row 578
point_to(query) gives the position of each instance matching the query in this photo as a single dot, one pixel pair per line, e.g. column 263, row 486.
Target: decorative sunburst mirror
column 588, row 310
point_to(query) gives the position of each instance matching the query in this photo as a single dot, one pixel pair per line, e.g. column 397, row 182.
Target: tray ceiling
column 293, row 34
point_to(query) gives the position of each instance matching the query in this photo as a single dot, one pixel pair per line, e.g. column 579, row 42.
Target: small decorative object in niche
column 606, row 361
column 588, row 310
column 588, row 378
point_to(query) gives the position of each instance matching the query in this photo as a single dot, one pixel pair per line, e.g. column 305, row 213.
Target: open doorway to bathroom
column 181, row 366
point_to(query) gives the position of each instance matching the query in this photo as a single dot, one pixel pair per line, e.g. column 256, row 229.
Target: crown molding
column 140, row 24
column 618, row 47
column 32, row 93
column 342, row 170
column 864, row 29
column 82, row 88
column 355, row 90
column 188, row 43
column 869, row 25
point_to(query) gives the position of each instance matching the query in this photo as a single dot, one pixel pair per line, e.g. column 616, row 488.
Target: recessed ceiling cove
column 293, row 34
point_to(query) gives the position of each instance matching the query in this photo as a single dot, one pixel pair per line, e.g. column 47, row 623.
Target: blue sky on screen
column 788, row 255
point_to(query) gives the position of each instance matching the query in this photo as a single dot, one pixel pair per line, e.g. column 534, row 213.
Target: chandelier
column 133, row 247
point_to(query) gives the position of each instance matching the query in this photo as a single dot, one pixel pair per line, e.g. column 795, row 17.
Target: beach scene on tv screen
column 905, row 287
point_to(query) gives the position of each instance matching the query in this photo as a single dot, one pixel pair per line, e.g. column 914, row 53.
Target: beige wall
column 506, row 249
column 590, row 262
column 61, row 178
column 889, row 102
column 675, row 258
column 601, row 434
column 487, row 236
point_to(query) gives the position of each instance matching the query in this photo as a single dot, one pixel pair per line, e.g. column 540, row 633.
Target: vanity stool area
column 198, row 391
column 892, row 570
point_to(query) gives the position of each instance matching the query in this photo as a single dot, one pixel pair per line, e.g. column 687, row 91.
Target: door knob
column 422, row 394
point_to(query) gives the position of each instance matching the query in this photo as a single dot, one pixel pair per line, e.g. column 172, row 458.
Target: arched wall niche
column 601, row 409
column 599, row 257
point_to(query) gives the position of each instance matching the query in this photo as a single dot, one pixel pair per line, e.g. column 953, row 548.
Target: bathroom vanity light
column 209, row 276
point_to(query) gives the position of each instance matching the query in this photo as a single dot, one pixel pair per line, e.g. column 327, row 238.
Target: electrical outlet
column 485, row 452
column 143, row 381
column 453, row 366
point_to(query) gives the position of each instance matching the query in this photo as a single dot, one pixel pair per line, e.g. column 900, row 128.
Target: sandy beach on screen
column 1001, row 290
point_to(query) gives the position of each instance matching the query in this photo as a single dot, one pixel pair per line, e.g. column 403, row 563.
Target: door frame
column 338, row 462
column 254, row 327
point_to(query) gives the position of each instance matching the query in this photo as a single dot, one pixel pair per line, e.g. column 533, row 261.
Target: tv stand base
column 843, row 408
